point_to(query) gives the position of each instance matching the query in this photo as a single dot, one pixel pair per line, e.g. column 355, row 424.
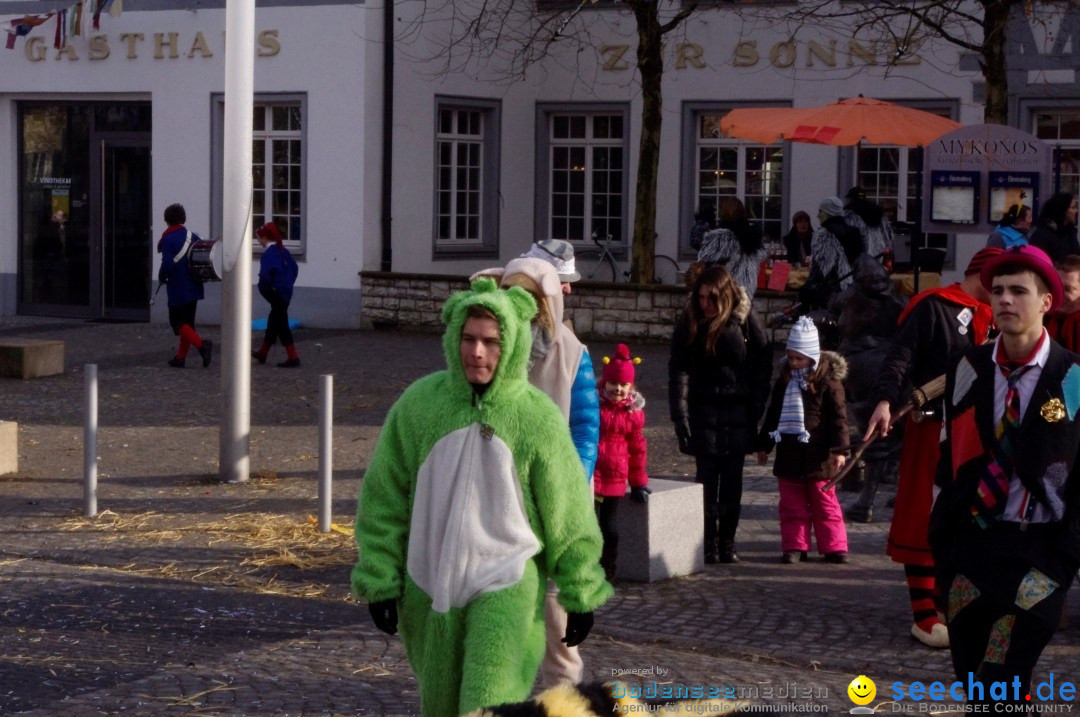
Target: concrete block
column 9, row 447
column 30, row 358
column 665, row 537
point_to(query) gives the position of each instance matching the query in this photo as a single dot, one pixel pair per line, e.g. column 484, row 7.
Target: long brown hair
column 724, row 291
column 543, row 311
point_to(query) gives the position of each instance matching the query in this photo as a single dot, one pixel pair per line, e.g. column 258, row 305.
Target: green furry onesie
column 469, row 505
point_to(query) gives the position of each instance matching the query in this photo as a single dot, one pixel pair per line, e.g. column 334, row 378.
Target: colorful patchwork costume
column 1007, row 578
column 470, row 503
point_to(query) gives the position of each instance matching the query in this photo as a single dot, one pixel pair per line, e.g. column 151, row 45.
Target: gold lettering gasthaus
column 1053, row 410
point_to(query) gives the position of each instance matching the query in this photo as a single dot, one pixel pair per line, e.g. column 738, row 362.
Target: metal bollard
column 90, row 442
column 326, row 458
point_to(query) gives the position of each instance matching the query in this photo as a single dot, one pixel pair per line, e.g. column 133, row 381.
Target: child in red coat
column 621, row 451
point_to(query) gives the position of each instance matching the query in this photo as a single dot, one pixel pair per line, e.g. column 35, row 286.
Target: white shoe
column 938, row 637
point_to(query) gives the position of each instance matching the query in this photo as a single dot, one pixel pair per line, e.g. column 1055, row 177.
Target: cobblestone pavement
column 174, row 602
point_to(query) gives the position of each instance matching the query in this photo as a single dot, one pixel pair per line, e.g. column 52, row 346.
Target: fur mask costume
column 470, row 503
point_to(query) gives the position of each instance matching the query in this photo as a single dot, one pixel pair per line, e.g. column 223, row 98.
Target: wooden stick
column 919, row 397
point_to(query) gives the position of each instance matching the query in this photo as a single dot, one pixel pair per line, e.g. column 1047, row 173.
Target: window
column 581, row 176
column 887, row 174
column 277, row 169
column 458, row 164
column 1062, row 128
column 731, row 167
column 466, row 164
column 278, row 166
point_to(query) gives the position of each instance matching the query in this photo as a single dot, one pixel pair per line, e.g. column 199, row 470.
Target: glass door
column 85, row 248
column 124, row 249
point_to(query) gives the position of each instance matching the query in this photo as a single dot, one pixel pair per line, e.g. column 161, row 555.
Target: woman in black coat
column 1056, row 230
column 718, row 384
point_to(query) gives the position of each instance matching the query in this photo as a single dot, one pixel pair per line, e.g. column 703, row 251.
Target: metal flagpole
column 236, row 242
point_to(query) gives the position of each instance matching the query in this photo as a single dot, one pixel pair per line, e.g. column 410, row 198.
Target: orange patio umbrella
column 847, row 122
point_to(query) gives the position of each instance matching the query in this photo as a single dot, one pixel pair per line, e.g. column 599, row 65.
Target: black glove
column 640, row 494
column 578, row 625
column 384, row 615
column 682, row 432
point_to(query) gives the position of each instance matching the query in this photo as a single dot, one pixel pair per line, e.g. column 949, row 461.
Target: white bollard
column 90, row 442
column 326, row 458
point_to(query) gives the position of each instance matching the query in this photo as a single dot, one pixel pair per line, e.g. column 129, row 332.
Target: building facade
column 417, row 148
column 103, row 129
column 498, row 155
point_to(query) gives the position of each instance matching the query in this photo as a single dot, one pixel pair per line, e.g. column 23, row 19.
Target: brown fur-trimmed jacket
column 824, row 415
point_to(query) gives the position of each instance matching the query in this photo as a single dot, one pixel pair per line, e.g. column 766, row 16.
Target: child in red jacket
column 621, row 451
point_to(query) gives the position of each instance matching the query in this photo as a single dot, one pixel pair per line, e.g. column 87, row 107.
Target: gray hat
column 559, row 254
column 832, row 206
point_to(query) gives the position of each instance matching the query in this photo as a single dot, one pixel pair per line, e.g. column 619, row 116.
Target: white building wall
column 575, row 73
column 325, row 53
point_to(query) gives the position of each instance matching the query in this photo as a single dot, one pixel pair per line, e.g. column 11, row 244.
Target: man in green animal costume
column 472, row 500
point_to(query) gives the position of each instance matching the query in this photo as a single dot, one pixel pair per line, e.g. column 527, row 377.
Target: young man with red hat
column 1005, row 530
column 937, row 325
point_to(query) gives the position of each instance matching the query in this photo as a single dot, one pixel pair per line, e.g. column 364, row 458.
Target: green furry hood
column 514, row 309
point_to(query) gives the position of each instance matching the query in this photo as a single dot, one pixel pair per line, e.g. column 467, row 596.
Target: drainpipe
column 387, row 131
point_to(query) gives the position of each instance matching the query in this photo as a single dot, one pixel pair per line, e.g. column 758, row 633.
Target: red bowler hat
column 1028, row 257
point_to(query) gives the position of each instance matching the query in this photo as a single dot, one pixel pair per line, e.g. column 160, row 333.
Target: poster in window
column 1009, row 188
column 955, row 197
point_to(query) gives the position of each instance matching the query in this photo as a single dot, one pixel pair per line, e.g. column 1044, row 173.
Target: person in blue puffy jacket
column 277, row 274
column 183, row 289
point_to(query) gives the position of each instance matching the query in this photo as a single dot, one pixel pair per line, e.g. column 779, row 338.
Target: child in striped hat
column 807, row 422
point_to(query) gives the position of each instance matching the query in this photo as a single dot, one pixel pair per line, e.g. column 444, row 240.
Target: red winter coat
column 621, row 452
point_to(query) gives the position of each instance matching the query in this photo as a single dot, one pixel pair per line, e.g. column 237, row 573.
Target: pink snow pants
column 802, row 505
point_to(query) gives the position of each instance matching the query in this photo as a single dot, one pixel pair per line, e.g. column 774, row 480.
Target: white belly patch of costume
column 469, row 533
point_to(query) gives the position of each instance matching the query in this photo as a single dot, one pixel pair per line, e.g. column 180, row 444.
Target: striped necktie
column 993, row 491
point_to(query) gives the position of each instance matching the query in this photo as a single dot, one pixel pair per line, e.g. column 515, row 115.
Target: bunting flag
column 22, row 26
column 60, row 38
column 76, row 19
column 69, row 22
column 16, row 29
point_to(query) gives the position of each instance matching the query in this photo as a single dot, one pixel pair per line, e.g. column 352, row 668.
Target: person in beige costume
column 560, row 367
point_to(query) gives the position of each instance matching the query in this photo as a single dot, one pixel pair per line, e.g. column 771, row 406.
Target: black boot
column 727, row 524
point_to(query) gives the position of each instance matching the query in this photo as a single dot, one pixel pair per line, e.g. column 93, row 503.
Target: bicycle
column 601, row 265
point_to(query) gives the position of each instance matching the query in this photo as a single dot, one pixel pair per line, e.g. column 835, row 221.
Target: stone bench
column 30, row 358
column 9, row 447
column 665, row 537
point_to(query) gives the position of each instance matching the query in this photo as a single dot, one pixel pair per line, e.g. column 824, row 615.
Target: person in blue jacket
column 183, row 289
column 559, row 365
column 277, row 275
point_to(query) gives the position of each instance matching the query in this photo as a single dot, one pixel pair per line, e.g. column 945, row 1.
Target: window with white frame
column 1062, row 128
column 466, row 165
column 277, row 177
column 754, row 173
column 586, row 173
column 278, row 166
column 459, row 161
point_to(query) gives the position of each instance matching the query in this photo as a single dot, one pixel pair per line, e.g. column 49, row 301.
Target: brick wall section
column 599, row 310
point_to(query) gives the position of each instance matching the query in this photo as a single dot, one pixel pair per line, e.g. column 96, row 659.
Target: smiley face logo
column 862, row 690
